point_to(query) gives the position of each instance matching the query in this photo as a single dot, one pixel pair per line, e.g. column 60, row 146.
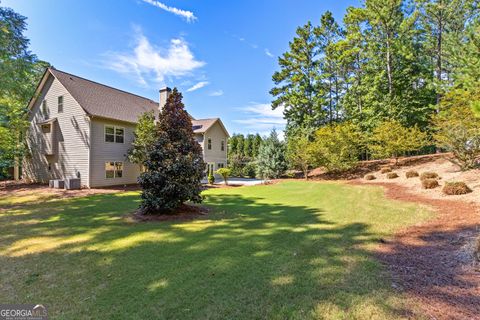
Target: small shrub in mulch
column 429, row 175
column 430, row 183
column 370, row 177
column 456, row 188
column 392, row 175
column 385, row 170
column 411, row 174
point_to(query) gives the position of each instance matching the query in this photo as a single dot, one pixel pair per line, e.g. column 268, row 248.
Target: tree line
column 392, row 79
column 20, row 72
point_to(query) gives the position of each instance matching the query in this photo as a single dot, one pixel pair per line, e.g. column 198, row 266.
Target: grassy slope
column 291, row 250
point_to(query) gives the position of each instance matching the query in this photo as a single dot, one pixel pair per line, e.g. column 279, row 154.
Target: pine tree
column 443, row 21
column 174, row 166
column 298, row 87
column 328, row 35
column 271, row 163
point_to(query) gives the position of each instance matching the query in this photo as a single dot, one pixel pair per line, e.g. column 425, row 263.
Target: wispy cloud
column 217, row 93
column 268, row 53
column 261, row 118
column 151, row 63
column 197, row 86
column 187, row 15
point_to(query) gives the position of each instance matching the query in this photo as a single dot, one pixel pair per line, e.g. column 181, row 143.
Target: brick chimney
column 164, row 93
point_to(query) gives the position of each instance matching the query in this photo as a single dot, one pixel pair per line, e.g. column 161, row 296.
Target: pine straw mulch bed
column 366, row 167
column 435, row 263
column 184, row 213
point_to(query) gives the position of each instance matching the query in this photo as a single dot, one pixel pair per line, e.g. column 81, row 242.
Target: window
column 119, row 134
column 46, row 128
column 113, row 169
column 222, row 146
column 114, row 134
column 209, row 143
column 210, row 168
column 220, row 165
column 60, row 104
column 45, row 108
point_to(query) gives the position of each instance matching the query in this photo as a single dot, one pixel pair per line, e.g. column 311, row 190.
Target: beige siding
column 102, row 152
column 72, row 136
column 215, row 155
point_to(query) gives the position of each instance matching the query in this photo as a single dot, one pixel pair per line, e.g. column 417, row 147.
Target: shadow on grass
column 440, row 271
column 247, row 260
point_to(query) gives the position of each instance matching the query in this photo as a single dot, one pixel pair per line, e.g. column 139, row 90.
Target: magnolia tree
column 174, row 164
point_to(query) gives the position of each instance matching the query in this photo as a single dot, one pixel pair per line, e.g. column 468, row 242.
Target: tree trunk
column 389, row 66
column 439, row 65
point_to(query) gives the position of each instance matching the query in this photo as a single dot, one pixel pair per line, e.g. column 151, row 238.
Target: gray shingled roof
column 104, row 101
column 202, row 125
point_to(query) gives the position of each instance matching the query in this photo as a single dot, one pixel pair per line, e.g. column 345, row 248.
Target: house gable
column 63, row 152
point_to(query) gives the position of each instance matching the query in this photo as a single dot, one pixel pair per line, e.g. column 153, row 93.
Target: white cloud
column 261, row 118
column 197, row 86
column 268, row 53
column 150, row 63
column 217, row 93
column 187, row 15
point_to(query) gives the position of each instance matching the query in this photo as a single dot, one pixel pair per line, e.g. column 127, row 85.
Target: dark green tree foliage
column 443, row 23
column 174, row 166
column 394, row 76
column 20, row 72
column 242, row 153
column 257, row 141
column 271, row 162
column 331, row 73
column 464, row 57
column 298, row 87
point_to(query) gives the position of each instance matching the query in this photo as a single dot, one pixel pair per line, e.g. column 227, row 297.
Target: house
column 82, row 129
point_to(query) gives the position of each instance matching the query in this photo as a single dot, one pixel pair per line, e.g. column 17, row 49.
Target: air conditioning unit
column 72, row 183
column 56, row 184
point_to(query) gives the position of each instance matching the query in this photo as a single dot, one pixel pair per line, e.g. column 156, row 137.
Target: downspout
column 89, row 151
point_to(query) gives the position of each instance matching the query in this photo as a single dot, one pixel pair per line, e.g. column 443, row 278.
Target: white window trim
column 44, row 107
column 114, row 133
column 114, row 169
column 209, row 146
column 58, row 104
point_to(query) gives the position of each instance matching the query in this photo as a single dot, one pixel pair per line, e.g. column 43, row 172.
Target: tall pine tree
column 298, row 87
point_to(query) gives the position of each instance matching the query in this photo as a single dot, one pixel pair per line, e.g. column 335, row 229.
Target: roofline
column 40, row 85
column 102, row 84
column 216, row 120
column 94, row 117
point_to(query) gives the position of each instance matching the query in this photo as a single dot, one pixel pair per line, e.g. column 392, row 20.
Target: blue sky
column 220, row 54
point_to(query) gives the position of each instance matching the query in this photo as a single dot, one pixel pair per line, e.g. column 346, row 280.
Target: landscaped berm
column 291, row 250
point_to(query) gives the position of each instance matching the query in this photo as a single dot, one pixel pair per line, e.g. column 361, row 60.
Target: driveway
column 238, row 181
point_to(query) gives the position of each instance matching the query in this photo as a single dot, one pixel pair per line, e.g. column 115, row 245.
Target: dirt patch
column 184, row 212
column 18, row 187
column 434, row 262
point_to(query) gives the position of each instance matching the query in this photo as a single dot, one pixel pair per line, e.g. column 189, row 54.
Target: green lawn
column 293, row 250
